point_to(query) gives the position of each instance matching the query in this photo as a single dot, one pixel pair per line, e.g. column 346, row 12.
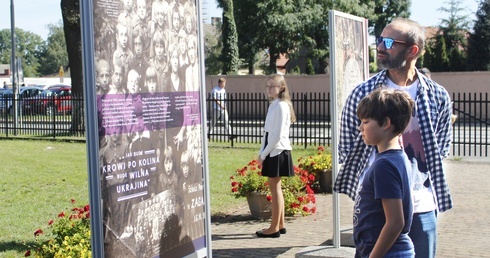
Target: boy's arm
column 217, row 98
column 393, row 209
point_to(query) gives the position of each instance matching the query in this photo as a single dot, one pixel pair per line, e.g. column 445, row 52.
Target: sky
column 35, row 15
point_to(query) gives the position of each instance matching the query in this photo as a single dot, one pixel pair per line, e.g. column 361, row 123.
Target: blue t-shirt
column 387, row 178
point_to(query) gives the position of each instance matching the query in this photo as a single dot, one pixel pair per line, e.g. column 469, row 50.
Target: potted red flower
column 248, row 182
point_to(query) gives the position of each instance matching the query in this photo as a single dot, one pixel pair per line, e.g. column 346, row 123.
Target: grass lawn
column 39, row 178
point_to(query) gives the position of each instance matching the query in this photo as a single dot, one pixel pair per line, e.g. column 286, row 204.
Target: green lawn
column 39, row 178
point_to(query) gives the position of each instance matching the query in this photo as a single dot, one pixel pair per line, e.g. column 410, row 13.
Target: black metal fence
column 40, row 116
column 472, row 127
column 247, row 113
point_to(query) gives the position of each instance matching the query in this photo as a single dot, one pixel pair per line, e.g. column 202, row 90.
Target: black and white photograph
column 148, row 103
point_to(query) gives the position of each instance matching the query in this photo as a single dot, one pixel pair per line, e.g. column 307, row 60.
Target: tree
column 283, row 27
column 29, row 49
column 479, row 40
column 310, row 69
column 450, row 40
column 212, row 50
column 55, row 54
column 247, row 33
column 287, row 24
column 229, row 53
column 439, row 61
column 385, row 12
column 70, row 10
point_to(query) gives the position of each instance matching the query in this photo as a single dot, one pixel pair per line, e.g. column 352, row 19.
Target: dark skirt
column 280, row 165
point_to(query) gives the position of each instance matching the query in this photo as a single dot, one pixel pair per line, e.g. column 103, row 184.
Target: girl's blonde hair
column 284, row 92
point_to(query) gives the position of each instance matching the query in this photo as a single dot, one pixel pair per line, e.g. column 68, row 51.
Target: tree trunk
column 273, row 55
column 70, row 10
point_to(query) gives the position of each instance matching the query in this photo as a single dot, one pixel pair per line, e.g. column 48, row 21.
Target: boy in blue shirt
column 383, row 206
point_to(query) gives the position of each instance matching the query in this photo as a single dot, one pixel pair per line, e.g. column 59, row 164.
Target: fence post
column 53, row 114
column 230, row 103
column 305, row 119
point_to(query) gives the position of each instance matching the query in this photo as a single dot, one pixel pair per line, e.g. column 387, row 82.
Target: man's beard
column 398, row 62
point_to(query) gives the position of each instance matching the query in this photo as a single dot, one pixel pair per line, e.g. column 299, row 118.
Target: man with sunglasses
column 426, row 140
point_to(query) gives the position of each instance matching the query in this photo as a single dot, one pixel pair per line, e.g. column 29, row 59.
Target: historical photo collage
column 148, row 103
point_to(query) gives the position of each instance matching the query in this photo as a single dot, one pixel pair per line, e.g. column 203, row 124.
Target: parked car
column 6, row 100
column 49, row 102
column 51, row 86
column 2, row 90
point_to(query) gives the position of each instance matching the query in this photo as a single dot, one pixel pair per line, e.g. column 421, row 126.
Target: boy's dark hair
column 385, row 103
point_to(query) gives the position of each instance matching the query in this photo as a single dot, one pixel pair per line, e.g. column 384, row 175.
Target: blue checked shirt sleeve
column 444, row 128
column 349, row 124
column 353, row 153
column 436, row 129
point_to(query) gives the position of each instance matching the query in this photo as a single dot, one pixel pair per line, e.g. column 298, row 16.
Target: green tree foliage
column 319, row 27
column 310, row 69
column 229, row 53
column 247, row 32
column 317, row 30
column 449, row 45
column 283, row 26
column 440, row 60
column 212, row 50
column 29, row 49
column 479, row 40
column 55, row 54
column 385, row 12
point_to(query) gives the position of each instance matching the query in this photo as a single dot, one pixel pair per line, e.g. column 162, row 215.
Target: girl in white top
column 275, row 152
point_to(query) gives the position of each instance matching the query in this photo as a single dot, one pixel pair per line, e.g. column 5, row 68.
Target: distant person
column 275, row 151
column 219, row 111
column 4, row 84
column 383, row 206
column 426, row 140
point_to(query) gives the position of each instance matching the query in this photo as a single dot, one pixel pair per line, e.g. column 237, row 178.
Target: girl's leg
column 277, row 205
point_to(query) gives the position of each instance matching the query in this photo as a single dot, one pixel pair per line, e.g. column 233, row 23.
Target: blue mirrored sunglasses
column 389, row 42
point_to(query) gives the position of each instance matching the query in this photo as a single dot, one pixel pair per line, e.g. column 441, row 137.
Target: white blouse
column 277, row 124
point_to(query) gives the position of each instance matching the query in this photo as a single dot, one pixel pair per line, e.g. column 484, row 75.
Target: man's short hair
column 385, row 103
column 220, row 80
column 414, row 33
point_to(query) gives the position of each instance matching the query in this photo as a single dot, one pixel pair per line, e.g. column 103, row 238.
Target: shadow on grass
column 16, row 246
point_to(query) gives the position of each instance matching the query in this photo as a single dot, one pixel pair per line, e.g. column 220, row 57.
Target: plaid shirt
column 434, row 111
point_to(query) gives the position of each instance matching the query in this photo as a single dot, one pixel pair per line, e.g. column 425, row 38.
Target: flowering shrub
column 68, row 235
column 314, row 164
column 299, row 199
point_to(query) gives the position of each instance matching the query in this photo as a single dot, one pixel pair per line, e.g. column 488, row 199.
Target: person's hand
column 260, row 160
column 179, row 138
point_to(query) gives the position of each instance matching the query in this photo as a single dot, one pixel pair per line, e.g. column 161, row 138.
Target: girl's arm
column 393, row 209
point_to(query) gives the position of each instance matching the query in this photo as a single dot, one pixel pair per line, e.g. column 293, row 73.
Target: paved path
column 463, row 231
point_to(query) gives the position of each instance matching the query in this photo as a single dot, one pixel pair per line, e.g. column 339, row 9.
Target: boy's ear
column 386, row 124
